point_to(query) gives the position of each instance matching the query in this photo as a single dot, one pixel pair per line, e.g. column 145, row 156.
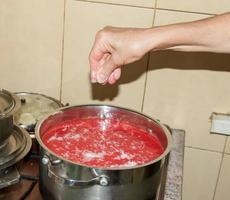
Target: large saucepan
column 9, row 104
column 63, row 179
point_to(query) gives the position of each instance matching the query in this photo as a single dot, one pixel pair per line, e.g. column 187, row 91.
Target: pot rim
column 60, row 110
column 59, row 103
column 16, row 105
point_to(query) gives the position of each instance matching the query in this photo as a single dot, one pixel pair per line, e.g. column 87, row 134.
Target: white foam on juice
column 124, row 155
column 72, row 136
column 55, row 138
column 89, row 155
column 126, row 164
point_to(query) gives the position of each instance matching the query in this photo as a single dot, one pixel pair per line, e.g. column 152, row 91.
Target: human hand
column 113, row 48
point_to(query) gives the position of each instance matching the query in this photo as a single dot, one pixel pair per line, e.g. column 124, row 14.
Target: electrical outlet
column 220, row 123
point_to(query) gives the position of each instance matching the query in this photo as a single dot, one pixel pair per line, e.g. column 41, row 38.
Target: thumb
column 106, row 70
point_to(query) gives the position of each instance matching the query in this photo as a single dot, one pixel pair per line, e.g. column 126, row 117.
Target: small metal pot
column 34, row 106
column 9, row 104
column 63, row 179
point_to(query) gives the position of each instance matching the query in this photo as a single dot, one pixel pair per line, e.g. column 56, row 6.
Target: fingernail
column 117, row 74
column 101, row 78
column 93, row 77
column 93, row 81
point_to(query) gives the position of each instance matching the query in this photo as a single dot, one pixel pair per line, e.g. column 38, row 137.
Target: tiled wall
column 83, row 20
column 44, row 47
column 31, row 45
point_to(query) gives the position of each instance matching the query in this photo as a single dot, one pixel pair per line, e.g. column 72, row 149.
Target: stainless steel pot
column 34, row 106
column 63, row 179
column 9, row 104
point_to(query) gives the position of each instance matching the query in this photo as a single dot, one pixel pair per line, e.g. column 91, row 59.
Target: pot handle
column 168, row 127
column 102, row 180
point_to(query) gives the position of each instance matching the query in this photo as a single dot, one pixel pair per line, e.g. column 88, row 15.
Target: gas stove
column 23, row 176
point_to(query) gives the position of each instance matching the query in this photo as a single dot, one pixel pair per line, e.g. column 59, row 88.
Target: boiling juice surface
column 102, row 143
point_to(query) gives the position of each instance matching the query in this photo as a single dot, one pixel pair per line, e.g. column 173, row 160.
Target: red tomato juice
column 102, row 143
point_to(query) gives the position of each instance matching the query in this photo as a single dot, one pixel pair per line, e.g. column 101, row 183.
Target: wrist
column 170, row 37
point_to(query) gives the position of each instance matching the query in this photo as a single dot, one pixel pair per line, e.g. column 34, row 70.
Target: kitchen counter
column 171, row 187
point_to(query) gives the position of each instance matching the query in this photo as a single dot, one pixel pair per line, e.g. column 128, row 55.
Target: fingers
column 114, row 76
column 103, row 68
column 94, row 61
column 96, row 56
column 117, row 73
column 106, row 70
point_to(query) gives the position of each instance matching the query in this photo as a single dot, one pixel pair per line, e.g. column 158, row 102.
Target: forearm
column 115, row 47
column 211, row 35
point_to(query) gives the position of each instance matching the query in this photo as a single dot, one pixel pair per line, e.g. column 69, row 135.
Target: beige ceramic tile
column 164, row 17
column 83, row 20
column 222, row 191
column 183, row 89
column 139, row 3
column 200, row 174
column 227, row 148
column 204, row 6
column 30, row 45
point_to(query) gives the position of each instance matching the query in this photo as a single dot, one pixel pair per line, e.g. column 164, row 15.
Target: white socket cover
column 220, row 123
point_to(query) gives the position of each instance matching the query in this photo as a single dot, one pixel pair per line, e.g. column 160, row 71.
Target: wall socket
column 220, row 123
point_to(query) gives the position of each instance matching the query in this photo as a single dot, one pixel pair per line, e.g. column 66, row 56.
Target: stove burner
column 9, row 177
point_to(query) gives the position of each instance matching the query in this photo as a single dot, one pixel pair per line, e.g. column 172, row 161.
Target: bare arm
column 115, row 47
column 211, row 35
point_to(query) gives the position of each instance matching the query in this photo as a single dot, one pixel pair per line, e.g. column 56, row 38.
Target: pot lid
column 7, row 103
column 34, row 106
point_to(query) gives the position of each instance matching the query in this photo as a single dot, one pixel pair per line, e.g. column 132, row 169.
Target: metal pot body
column 33, row 107
column 9, row 104
column 6, row 128
column 62, row 179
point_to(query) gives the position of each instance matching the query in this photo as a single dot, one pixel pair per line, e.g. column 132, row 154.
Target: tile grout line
column 221, row 163
column 145, row 7
column 226, row 153
column 115, row 4
column 155, row 11
column 63, row 42
column 145, row 84
column 148, row 60
column 185, row 11
column 198, row 148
